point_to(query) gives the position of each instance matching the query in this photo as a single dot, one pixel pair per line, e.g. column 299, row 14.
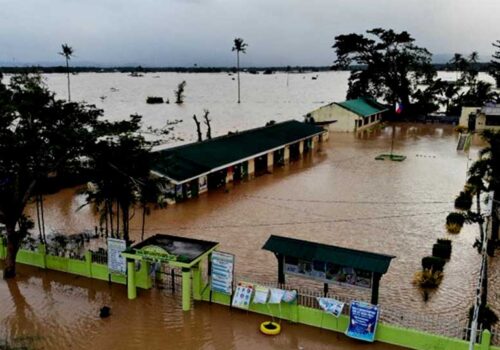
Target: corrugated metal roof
column 192, row 160
column 491, row 110
column 363, row 106
column 311, row 251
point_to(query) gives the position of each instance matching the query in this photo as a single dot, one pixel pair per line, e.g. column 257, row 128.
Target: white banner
column 117, row 263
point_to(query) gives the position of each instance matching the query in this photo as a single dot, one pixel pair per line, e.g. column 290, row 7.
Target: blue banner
column 363, row 321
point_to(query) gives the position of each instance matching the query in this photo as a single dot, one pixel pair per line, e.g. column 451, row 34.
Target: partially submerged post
column 329, row 264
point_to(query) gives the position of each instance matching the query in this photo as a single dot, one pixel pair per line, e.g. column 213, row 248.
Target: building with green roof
column 196, row 167
column 350, row 115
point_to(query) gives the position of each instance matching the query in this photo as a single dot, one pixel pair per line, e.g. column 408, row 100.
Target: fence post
column 88, row 262
column 186, row 289
column 2, row 248
column 485, row 340
column 131, row 288
column 42, row 250
column 197, row 282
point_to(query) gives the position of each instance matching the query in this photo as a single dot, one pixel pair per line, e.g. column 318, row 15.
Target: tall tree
column 495, row 63
column 119, row 166
column 67, row 53
column 39, row 135
column 391, row 66
column 239, row 46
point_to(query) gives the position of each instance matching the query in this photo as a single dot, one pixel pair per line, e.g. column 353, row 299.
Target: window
column 493, row 120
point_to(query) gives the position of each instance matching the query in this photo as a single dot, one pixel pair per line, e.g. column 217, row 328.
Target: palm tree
column 239, row 46
column 67, row 52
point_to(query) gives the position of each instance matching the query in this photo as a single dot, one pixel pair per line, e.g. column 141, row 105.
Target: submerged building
column 478, row 119
column 350, row 115
column 197, row 167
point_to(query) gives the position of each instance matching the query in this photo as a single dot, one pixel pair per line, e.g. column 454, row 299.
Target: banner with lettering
column 363, row 321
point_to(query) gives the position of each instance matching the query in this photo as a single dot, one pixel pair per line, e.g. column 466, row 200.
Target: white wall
column 346, row 120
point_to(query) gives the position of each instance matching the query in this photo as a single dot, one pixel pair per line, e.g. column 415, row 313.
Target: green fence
column 86, row 268
column 386, row 333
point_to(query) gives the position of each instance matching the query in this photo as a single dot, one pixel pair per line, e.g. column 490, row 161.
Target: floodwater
column 340, row 196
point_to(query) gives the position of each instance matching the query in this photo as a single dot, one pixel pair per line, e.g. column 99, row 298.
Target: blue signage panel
column 363, row 321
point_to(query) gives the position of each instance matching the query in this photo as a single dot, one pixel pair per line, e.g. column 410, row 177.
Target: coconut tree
column 67, row 53
column 239, row 46
column 495, row 64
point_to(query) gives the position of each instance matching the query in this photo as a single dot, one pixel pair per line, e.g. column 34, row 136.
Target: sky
column 201, row 32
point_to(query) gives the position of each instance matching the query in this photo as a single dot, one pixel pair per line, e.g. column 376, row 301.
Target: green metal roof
column 363, row 106
column 311, row 251
column 192, row 160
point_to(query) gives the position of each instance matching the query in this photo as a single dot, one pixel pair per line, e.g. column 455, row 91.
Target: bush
column 433, row 263
column 154, row 99
column 444, row 241
column 463, row 201
column 428, row 278
column 442, row 251
column 486, row 317
column 454, row 222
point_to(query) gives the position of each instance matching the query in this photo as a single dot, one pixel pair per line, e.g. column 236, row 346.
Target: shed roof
column 195, row 159
column 363, row 106
column 311, row 251
column 183, row 249
column 491, row 110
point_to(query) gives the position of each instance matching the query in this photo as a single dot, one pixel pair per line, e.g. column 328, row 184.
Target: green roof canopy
column 195, row 159
column 363, row 107
column 311, row 251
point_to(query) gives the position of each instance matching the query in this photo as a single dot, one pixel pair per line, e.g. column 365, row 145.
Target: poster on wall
column 363, row 321
column 328, row 272
column 222, row 272
column 331, row 306
column 242, row 296
column 117, row 263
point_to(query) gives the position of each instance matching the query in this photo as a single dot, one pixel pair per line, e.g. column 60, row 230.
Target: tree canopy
column 39, row 136
column 391, row 65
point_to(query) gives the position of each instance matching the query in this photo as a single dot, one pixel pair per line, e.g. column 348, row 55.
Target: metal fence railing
column 445, row 325
column 100, row 257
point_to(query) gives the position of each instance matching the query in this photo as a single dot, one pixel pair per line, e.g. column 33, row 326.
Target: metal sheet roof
column 192, row 160
column 311, row 251
column 363, row 106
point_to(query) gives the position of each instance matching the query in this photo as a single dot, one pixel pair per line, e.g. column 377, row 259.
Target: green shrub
column 463, row 201
column 454, row 222
column 486, row 317
column 442, row 251
column 433, row 262
column 429, row 279
column 444, row 241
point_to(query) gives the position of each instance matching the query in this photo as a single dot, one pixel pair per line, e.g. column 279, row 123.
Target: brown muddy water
column 340, row 195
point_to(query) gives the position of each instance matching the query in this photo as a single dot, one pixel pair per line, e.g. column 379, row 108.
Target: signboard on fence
column 328, row 272
column 363, row 321
column 331, row 306
column 222, row 272
column 117, row 263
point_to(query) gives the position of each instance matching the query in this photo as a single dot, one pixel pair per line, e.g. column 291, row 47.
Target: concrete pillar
column 186, row 289
column 88, row 262
column 131, row 288
column 301, row 147
column 251, row 168
column 313, row 144
column 229, row 174
column 286, row 155
column 202, row 184
column 42, row 249
column 485, row 340
column 197, row 282
column 2, row 249
column 270, row 161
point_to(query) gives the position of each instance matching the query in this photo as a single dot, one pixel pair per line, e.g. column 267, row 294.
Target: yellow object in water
column 270, row 328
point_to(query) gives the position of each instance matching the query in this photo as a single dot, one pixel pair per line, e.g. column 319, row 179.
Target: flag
column 399, row 108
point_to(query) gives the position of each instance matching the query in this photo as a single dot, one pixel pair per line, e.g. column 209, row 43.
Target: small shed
column 328, row 263
column 351, row 115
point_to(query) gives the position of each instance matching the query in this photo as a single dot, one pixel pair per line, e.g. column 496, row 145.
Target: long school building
column 195, row 168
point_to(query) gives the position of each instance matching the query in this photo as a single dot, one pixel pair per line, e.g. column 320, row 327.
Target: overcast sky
column 188, row 32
